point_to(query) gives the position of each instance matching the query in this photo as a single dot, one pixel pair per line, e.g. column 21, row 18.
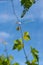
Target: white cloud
column 3, row 1
column 6, row 17
column 4, row 35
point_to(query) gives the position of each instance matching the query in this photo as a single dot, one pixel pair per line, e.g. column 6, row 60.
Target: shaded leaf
column 26, row 4
column 11, row 57
column 28, row 63
column 18, row 28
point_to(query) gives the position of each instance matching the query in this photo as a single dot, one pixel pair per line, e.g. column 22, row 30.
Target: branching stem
column 20, row 30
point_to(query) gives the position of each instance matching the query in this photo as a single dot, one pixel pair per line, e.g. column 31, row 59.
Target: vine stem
column 23, row 47
column 20, row 30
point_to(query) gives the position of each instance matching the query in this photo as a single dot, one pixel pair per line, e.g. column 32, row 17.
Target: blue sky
column 32, row 22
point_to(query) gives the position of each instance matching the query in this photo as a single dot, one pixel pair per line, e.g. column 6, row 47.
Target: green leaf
column 26, row 4
column 6, row 62
column 28, row 63
column 11, row 57
column 23, row 13
column 18, row 45
column 34, row 64
column 26, row 36
column 16, row 64
column 34, row 50
column 34, row 61
column 35, row 54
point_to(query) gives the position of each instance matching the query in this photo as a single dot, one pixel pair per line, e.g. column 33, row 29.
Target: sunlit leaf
column 34, row 61
column 34, row 50
column 16, row 64
column 26, row 36
column 18, row 45
column 35, row 54
column 34, row 64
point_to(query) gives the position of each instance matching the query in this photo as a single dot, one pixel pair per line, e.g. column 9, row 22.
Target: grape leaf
column 26, row 4
column 18, row 45
column 35, row 54
column 26, row 36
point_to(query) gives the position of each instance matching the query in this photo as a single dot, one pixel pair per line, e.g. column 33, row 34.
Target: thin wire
column 20, row 30
column 14, row 10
